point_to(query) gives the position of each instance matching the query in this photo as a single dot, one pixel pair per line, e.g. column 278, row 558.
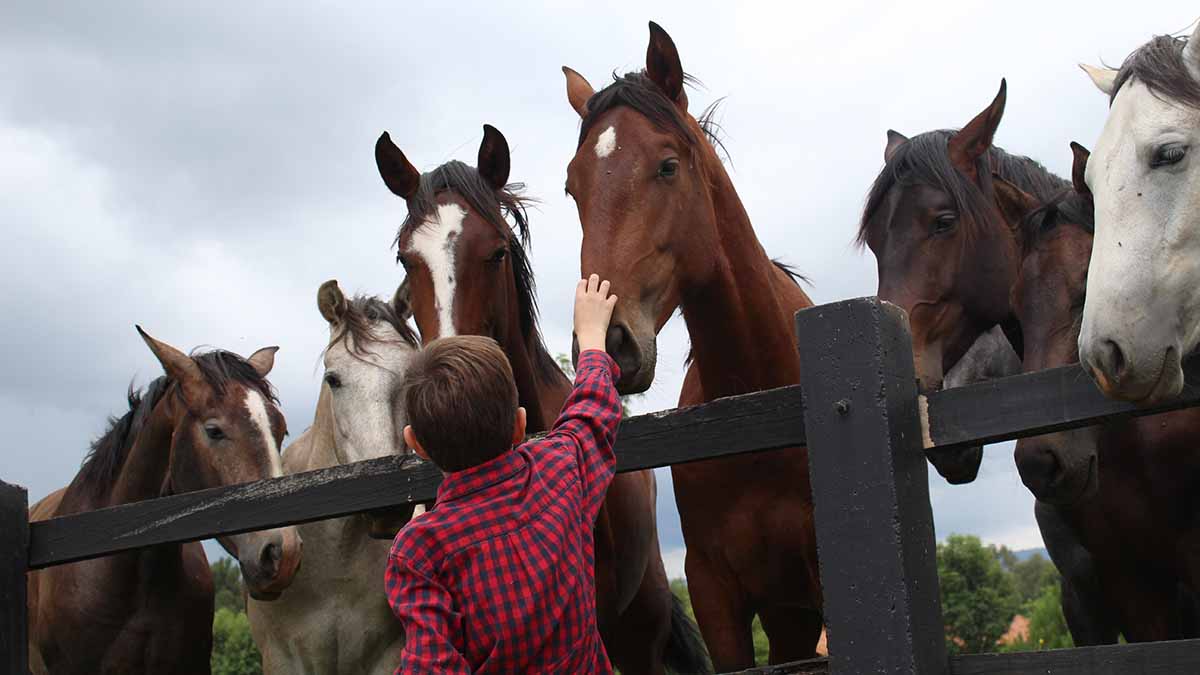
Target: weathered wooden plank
column 1180, row 656
column 14, row 544
column 870, row 490
column 1033, row 404
column 806, row 667
column 759, row 421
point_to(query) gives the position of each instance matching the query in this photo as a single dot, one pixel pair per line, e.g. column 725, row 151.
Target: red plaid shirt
column 499, row 576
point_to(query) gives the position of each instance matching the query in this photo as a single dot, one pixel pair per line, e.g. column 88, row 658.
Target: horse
column 335, row 617
column 469, row 274
column 661, row 219
column 1143, row 304
column 211, row 420
column 945, row 253
column 1123, row 489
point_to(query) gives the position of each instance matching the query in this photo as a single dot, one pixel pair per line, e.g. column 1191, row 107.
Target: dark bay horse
column 212, row 420
column 662, row 220
column 1126, row 489
column 468, row 273
column 945, row 251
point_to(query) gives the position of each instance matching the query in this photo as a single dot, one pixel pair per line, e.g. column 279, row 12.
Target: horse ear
column 578, row 91
column 895, row 139
column 263, row 360
column 402, row 301
column 1079, row 168
column 1191, row 52
column 331, row 301
column 398, row 173
column 973, row 140
column 1104, row 78
column 663, row 66
column 494, row 158
column 1014, row 203
column 179, row 367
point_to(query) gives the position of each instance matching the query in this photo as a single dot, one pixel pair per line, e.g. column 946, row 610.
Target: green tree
column 234, row 651
column 978, row 598
column 227, row 582
column 1047, row 625
column 1032, row 576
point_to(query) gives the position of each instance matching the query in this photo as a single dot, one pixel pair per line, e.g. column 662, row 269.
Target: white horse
column 335, row 619
column 1142, row 313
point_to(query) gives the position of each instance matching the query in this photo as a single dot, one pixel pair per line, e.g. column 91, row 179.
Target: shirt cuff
column 598, row 358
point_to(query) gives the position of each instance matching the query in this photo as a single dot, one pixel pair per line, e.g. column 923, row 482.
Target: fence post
column 870, row 491
column 14, row 553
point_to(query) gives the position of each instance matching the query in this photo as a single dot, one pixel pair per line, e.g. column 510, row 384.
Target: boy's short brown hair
column 461, row 401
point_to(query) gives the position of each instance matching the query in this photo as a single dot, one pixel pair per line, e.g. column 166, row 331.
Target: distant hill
column 1027, row 553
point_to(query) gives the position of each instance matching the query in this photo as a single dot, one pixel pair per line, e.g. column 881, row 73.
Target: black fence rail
column 867, row 430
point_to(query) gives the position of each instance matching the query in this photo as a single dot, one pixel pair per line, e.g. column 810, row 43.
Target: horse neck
column 740, row 320
column 536, row 395
column 322, row 448
column 143, row 474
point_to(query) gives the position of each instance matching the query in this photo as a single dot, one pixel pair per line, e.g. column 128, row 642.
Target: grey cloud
column 200, row 170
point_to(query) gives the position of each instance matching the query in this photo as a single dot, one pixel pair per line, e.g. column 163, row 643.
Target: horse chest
column 334, row 618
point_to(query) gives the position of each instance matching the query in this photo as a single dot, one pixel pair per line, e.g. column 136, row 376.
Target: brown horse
column 1125, row 489
column 662, row 220
column 945, row 252
column 212, row 420
column 468, row 274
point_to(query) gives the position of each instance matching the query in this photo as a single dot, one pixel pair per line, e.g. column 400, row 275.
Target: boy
column 499, row 576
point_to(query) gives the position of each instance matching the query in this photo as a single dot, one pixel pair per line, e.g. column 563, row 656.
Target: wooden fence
column 867, row 430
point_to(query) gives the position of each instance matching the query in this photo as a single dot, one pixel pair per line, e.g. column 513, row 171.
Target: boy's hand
column 593, row 309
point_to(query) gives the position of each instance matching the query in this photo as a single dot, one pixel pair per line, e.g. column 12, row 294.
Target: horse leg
column 1089, row 618
column 640, row 635
column 723, row 612
column 792, row 632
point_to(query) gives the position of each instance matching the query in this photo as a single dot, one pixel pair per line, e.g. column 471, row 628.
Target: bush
column 234, row 651
column 978, row 597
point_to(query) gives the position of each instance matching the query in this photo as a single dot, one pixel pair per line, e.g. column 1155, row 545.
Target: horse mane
column 1159, row 65
column 1068, row 206
column 924, row 159
column 498, row 208
column 637, row 91
column 356, row 328
column 107, row 454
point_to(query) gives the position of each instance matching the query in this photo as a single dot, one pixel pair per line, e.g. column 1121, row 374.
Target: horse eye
column 333, row 380
column 213, row 432
column 944, row 223
column 498, row 255
column 1168, row 154
column 668, row 168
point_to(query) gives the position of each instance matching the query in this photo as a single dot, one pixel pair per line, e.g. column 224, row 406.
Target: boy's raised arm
column 592, row 412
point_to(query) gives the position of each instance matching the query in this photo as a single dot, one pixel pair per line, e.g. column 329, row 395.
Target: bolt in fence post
column 14, row 554
column 870, row 490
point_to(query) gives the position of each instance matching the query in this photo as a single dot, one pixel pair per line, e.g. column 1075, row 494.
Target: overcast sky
column 201, row 170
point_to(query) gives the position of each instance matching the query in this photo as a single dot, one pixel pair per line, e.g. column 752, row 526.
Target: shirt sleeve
column 589, row 422
column 432, row 627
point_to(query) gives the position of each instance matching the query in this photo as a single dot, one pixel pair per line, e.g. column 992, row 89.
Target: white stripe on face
column 257, row 407
column 434, row 241
column 606, row 143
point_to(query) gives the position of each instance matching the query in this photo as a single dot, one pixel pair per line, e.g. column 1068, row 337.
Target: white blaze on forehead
column 606, row 143
column 257, row 407
column 434, row 241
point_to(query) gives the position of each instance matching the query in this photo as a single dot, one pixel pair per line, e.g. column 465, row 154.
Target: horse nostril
column 1112, row 359
column 1039, row 469
column 615, row 339
column 269, row 557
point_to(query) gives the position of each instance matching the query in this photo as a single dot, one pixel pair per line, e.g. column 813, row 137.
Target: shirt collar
column 458, row 484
